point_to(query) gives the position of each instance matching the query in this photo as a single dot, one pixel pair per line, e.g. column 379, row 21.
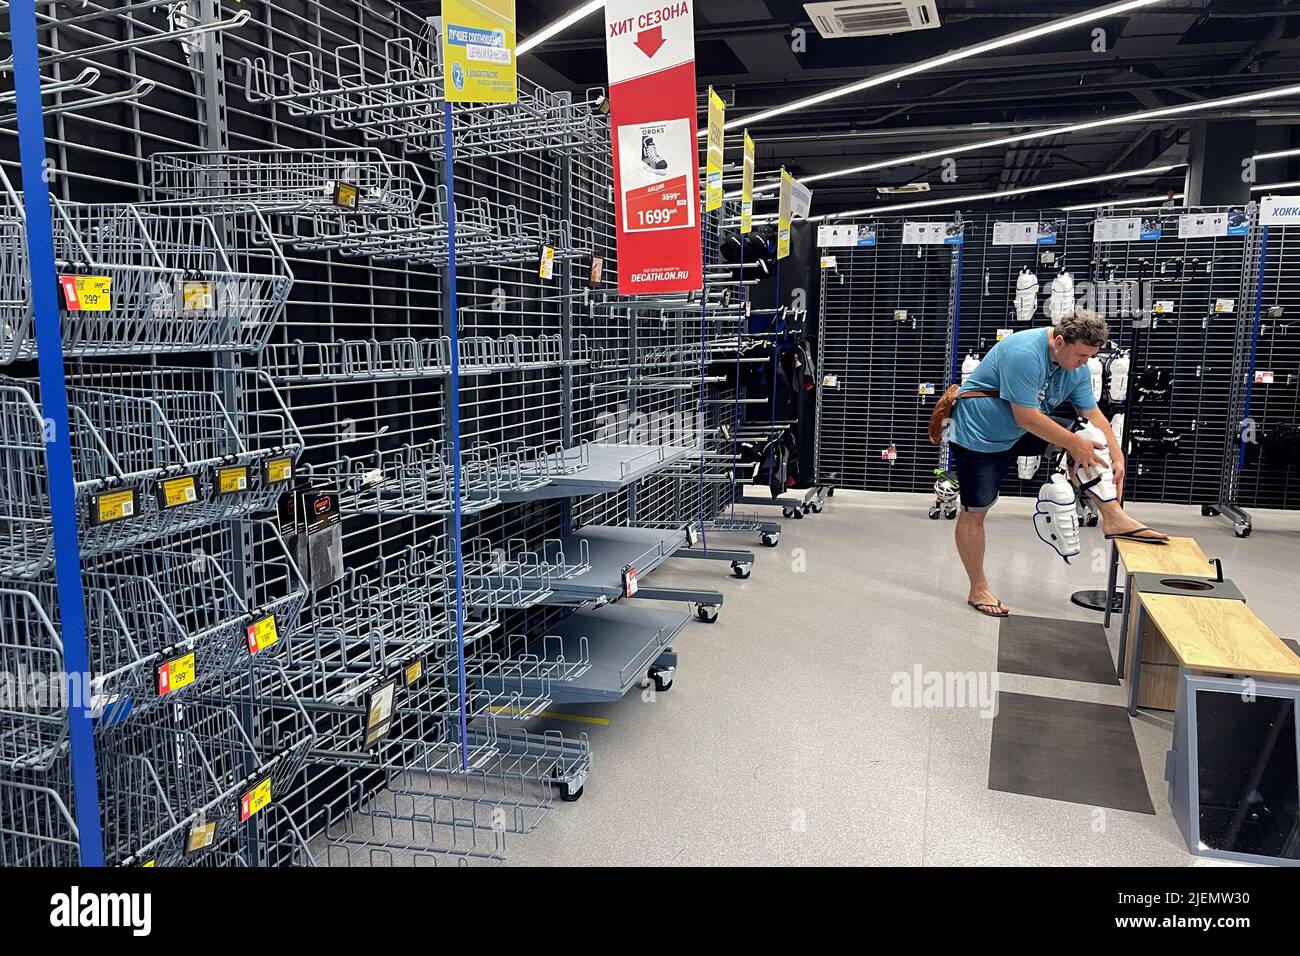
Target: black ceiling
column 1175, row 52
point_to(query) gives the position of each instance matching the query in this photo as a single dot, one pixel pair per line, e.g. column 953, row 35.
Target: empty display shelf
column 608, row 468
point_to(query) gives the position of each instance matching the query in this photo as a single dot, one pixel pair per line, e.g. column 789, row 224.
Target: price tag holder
column 110, row 506
column 630, row 586
column 380, row 712
column 1224, row 306
column 278, row 471
column 546, row 266
column 255, row 800
column 176, row 673
column 230, row 480
column 925, row 388
column 202, row 835
column 597, row 270
column 1264, row 377
column 262, row 634
column 346, row 195
column 1165, row 307
column 177, row 492
column 413, row 672
column 900, row 315
column 87, row 293
column 692, row 535
column 196, row 296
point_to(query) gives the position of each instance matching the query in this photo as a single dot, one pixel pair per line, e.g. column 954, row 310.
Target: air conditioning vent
column 903, row 190
column 860, row 18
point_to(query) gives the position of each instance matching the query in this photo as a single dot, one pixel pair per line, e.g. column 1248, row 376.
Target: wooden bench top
column 1221, row 636
column 1179, row 556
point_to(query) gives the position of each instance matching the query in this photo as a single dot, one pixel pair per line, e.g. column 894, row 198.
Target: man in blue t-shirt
column 1004, row 411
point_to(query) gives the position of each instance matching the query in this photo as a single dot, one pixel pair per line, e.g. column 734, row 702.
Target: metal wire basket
column 152, row 456
column 173, row 284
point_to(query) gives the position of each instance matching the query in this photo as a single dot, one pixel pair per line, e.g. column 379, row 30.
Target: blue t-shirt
column 1020, row 369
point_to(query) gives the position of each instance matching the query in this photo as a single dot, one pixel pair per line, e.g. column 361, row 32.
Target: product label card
column 413, row 672
column 87, row 293
column 713, row 163
column 656, row 162
column 231, row 480
column 201, row 836
column 1015, row 233
column 262, row 634
column 196, row 296
column 113, row 506
column 177, row 673
column 379, row 712
column 1199, row 225
column 1264, row 378
column 846, row 235
column 934, row 233
column 254, row 800
column 175, row 492
column 830, row 262
column 546, row 265
column 279, row 470
column 630, row 586
column 747, row 188
column 1225, row 305
column 1165, row 307
column 346, row 195
column 1004, row 333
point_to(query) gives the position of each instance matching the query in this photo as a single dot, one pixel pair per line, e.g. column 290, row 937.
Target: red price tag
column 658, row 206
column 630, row 586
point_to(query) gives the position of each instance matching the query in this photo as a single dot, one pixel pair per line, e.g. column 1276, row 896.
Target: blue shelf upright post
column 58, row 446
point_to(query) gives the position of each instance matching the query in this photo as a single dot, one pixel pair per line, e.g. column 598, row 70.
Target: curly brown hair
column 1084, row 326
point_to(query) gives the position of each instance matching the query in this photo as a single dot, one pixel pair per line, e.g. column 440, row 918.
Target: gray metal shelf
column 609, row 468
column 622, row 642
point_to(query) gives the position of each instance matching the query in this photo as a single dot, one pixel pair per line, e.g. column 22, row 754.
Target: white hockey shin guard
column 1055, row 519
column 1098, row 482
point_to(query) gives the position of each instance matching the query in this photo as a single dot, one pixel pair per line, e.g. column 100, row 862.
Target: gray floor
column 779, row 744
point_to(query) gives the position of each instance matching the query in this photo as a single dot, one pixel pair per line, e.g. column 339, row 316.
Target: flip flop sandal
column 981, row 606
column 1136, row 535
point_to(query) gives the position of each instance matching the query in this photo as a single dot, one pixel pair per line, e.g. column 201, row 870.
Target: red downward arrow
column 650, row 40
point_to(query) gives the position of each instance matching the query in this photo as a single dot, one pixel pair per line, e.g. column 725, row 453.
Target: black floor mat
column 1068, row 750
column 1048, row 647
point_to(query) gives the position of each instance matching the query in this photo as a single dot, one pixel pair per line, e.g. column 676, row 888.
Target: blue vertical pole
column 454, row 413
column 58, row 447
column 1254, row 343
column 704, row 321
column 956, row 333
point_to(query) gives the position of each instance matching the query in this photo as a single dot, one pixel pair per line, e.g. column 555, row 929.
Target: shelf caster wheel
column 1090, row 521
column 708, row 613
column 789, row 513
column 816, row 508
column 662, row 677
column 770, row 540
column 569, row 795
column 797, row 513
column 934, row 514
column 950, row 514
column 742, row 569
column 1242, row 530
column 1209, row 511
column 830, row 493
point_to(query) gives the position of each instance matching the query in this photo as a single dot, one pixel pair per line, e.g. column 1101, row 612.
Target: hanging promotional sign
column 713, row 157
column 650, row 48
column 1280, row 211
column 747, row 188
column 1201, row 225
column 478, row 51
column 1042, row 233
column 783, row 215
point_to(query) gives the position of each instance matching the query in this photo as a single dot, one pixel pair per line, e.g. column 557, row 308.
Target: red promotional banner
column 651, row 51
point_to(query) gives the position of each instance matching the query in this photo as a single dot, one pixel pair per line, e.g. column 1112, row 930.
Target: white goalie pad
column 1055, row 518
column 1061, row 302
column 1027, row 466
column 1119, row 377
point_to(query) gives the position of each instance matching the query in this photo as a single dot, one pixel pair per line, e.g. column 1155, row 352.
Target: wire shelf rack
column 392, row 93
column 173, row 284
column 370, row 360
column 153, row 455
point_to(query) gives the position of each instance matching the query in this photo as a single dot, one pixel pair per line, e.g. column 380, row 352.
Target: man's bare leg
column 970, row 545
column 1115, row 521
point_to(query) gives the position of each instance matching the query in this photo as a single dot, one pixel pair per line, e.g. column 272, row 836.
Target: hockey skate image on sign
column 656, row 163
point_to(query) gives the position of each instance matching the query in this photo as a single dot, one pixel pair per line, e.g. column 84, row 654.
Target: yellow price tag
column 262, row 634
column 413, row 672
column 114, row 506
column 196, row 296
column 346, row 195
column 177, row 673
column 87, row 293
column 546, row 268
column 256, row 799
column 202, row 836
column 149, row 863
column 232, row 480
column 278, row 470
column 175, row 492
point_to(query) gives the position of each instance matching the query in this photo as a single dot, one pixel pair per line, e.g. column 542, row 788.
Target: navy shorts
column 980, row 473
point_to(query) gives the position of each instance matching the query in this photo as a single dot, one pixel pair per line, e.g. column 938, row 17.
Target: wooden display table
column 1181, row 556
column 1205, row 635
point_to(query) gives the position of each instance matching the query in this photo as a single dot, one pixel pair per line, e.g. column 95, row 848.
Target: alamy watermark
column 920, row 688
